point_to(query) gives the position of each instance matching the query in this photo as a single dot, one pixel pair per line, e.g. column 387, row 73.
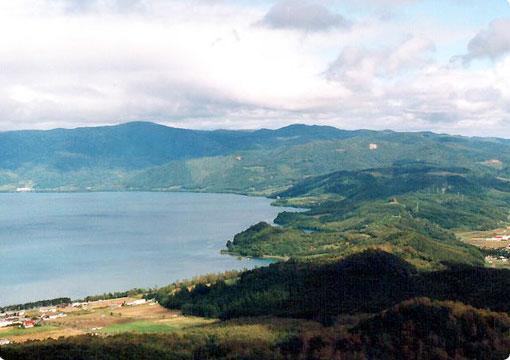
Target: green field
column 139, row 327
column 154, row 327
column 21, row 331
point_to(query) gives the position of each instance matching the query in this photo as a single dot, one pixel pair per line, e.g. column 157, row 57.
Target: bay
column 79, row 244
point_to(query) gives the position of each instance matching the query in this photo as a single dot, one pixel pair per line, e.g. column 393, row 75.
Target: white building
column 24, row 189
column 5, row 323
column 499, row 238
column 136, row 302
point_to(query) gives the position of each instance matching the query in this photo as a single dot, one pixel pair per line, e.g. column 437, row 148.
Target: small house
column 27, row 324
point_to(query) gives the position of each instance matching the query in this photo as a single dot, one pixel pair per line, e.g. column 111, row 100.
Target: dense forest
column 362, row 283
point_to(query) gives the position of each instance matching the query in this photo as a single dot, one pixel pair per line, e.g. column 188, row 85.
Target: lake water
column 79, row 244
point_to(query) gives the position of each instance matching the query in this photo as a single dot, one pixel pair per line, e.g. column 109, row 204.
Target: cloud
column 359, row 67
column 491, row 43
column 202, row 64
column 488, row 94
column 80, row 6
column 303, row 15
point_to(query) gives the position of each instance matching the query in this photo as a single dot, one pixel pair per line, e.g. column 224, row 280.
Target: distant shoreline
column 48, row 191
column 275, row 257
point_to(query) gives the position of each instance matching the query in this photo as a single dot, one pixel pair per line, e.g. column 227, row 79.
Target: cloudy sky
column 439, row 65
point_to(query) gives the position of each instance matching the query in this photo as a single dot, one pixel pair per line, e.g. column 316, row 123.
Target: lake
column 79, row 244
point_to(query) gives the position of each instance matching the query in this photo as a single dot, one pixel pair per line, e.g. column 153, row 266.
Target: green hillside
column 148, row 156
column 409, row 210
column 270, row 170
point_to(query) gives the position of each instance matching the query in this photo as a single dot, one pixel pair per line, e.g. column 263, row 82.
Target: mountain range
column 148, row 156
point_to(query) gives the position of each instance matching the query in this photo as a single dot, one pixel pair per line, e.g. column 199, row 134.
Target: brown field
column 112, row 302
column 488, row 244
column 52, row 334
column 145, row 312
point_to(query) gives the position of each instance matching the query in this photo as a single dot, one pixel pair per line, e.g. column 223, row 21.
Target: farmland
column 104, row 318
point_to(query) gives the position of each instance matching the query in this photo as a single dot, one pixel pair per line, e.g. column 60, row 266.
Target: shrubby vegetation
column 114, row 295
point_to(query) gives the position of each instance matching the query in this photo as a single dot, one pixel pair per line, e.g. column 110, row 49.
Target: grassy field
column 23, row 332
column 161, row 326
column 139, row 327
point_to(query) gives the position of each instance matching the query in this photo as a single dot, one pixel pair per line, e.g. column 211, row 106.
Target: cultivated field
column 105, row 318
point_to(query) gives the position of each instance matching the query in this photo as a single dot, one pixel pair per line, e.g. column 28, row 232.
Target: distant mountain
column 148, row 156
column 142, row 144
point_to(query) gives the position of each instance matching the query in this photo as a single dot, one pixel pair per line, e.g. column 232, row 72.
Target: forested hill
column 144, row 144
column 377, row 183
column 410, row 211
column 148, row 156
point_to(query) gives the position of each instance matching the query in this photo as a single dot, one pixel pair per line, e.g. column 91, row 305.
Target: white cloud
column 490, row 43
column 359, row 67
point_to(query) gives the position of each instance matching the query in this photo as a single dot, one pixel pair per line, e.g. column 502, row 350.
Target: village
column 490, row 239
column 494, row 260
column 79, row 318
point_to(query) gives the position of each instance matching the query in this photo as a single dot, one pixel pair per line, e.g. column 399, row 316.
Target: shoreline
column 268, row 257
column 84, row 191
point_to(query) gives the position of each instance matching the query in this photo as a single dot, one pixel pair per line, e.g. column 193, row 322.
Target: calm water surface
column 74, row 245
